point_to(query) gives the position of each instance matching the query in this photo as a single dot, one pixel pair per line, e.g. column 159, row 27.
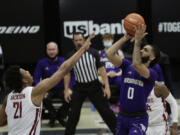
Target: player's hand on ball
column 140, row 32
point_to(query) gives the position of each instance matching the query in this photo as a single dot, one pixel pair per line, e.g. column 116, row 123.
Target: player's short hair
column 156, row 52
column 78, row 33
column 107, row 36
column 13, row 78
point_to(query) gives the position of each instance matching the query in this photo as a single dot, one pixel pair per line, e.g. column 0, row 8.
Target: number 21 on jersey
column 130, row 93
column 18, row 109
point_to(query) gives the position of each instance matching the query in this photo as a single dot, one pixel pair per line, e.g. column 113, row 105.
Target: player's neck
column 25, row 85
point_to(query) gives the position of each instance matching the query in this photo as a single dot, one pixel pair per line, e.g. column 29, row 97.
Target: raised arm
column 136, row 60
column 38, row 73
column 46, row 84
column 111, row 52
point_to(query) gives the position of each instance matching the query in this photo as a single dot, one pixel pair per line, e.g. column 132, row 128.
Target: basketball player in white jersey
column 21, row 109
column 158, row 124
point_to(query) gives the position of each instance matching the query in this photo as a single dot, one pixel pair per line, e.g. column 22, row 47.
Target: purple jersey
column 107, row 64
column 135, row 88
column 46, row 68
column 159, row 72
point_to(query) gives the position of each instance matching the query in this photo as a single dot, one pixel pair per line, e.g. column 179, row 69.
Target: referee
column 87, row 85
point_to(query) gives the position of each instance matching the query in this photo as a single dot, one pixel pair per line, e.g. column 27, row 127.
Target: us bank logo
column 88, row 27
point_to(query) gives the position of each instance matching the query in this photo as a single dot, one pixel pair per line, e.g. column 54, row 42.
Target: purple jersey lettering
column 135, row 88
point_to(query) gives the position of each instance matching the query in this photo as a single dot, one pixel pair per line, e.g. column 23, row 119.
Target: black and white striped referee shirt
column 86, row 69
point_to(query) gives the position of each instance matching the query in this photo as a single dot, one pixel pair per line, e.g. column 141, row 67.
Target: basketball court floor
column 90, row 124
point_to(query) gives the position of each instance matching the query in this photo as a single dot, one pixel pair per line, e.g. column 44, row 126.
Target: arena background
column 26, row 27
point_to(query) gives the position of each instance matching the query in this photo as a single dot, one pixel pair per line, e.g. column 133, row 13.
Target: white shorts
column 158, row 130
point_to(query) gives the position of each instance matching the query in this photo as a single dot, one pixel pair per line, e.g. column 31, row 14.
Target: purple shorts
column 131, row 125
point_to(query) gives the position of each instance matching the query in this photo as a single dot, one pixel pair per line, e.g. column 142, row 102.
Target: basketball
column 132, row 20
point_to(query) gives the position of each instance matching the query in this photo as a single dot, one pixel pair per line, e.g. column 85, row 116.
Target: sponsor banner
column 166, row 26
column 89, row 27
column 21, row 31
column 92, row 17
column 169, row 27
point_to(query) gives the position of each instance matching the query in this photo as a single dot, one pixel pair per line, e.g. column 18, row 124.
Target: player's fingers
column 69, row 98
column 92, row 36
column 104, row 94
column 109, row 96
column 144, row 27
column 145, row 34
column 135, row 28
column 89, row 44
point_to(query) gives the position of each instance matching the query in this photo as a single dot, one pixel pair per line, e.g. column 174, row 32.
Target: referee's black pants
column 94, row 92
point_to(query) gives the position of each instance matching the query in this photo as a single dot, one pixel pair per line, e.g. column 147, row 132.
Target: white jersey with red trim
column 23, row 117
column 156, row 110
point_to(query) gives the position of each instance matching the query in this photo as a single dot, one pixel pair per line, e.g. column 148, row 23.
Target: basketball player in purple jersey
column 138, row 79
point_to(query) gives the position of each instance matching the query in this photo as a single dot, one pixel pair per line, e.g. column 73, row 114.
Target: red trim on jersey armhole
column 165, row 119
column 33, row 129
column 167, row 128
column 164, row 104
column 164, row 116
